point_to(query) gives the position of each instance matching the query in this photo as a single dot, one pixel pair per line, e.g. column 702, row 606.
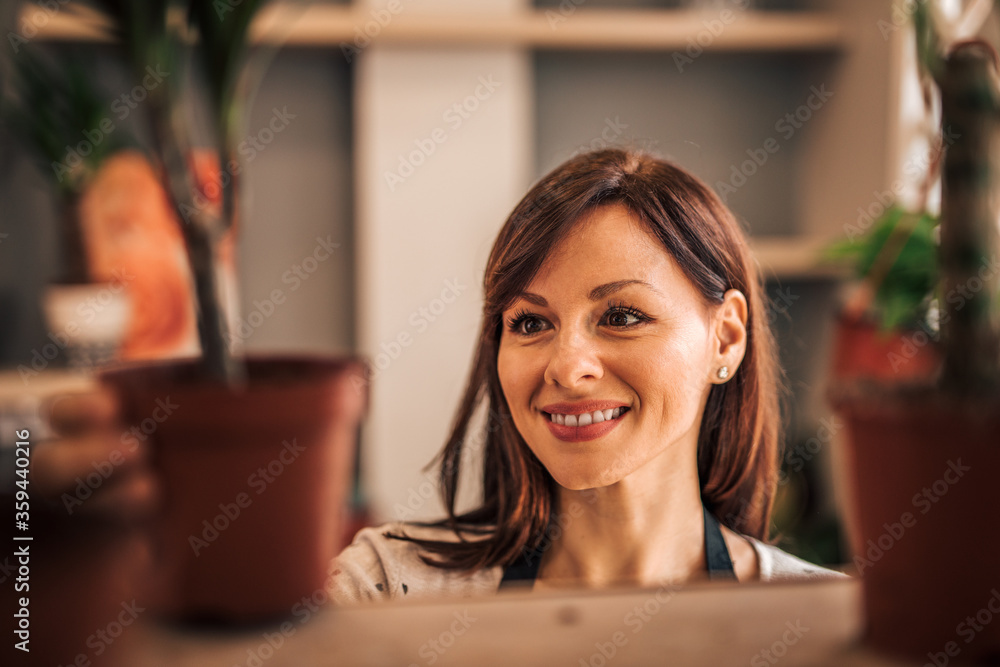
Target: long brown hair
column 738, row 443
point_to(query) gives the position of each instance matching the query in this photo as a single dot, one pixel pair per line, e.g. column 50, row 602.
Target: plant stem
column 212, row 329
column 200, row 231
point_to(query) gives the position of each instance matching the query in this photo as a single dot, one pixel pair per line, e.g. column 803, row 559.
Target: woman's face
column 607, row 358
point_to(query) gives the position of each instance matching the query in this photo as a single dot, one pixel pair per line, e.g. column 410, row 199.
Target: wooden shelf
column 795, row 257
column 680, row 627
column 651, row 30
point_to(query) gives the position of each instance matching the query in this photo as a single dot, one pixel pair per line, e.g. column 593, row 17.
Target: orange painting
column 133, row 237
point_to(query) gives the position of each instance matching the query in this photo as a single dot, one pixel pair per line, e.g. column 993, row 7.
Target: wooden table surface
column 750, row 624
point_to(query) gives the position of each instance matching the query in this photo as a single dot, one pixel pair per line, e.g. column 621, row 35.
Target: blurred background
column 389, row 141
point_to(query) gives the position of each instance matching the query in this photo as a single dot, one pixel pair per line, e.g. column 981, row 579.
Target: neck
column 647, row 529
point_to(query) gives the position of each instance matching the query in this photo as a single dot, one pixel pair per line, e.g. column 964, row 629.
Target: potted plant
column 54, row 108
column 923, row 454
column 889, row 329
column 254, row 455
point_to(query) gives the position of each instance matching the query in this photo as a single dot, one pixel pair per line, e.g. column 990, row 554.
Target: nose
column 574, row 360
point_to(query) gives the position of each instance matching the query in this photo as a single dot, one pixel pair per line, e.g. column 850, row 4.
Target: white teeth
column 587, row 418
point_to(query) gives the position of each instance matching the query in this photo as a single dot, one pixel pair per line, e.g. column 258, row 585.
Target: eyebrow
column 596, row 294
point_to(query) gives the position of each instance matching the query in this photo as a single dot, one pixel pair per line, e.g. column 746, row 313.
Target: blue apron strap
column 522, row 571
column 720, row 565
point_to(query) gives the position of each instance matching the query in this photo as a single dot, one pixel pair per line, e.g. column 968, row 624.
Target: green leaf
column 928, row 42
column 903, row 294
column 52, row 106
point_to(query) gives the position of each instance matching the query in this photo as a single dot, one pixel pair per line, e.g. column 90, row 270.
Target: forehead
column 606, row 244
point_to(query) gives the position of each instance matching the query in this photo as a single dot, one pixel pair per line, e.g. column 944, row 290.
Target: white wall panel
column 442, row 155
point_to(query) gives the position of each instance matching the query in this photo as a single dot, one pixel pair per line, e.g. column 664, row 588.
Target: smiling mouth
column 586, row 418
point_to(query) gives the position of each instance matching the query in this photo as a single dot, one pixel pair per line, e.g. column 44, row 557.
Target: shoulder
column 377, row 567
column 778, row 565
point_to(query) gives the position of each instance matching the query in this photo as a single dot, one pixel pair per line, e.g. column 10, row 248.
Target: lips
column 588, row 420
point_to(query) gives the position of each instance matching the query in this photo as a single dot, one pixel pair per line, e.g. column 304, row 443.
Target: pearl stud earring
column 723, row 372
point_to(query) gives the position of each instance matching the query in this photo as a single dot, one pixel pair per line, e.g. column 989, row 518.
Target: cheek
column 515, row 383
column 667, row 375
column 515, row 376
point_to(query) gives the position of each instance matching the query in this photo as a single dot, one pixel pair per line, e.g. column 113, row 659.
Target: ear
column 729, row 335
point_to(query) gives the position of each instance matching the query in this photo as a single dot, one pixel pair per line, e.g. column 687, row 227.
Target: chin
column 573, row 479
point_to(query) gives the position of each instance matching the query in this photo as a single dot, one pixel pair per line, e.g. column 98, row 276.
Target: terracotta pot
column 77, row 565
column 254, row 481
column 80, row 576
column 862, row 351
column 924, row 533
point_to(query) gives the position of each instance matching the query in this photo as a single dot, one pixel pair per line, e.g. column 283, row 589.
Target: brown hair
column 738, row 444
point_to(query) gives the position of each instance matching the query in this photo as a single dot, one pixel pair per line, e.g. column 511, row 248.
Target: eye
column 620, row 316
column 524, row 323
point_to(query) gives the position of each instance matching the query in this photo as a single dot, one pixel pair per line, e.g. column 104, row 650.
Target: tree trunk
column 970, row 237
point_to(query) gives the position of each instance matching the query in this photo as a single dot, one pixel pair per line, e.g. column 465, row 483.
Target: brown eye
column 526, row 324
column 531, row 325
column 624, row 317
column 618, row 319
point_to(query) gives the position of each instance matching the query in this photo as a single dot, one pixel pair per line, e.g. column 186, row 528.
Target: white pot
column 88, row 321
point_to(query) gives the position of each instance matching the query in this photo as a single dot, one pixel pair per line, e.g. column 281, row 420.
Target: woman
column 631, row 383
